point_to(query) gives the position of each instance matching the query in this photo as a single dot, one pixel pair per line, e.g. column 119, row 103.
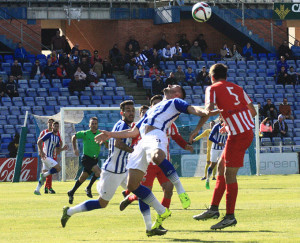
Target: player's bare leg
column 158, row 157
column 168, row 192
column 205, row 170
column 46, row 188
column 97, row 171
column 84, row 175
column 55, row 169
column 213, row 211
column 209, row 173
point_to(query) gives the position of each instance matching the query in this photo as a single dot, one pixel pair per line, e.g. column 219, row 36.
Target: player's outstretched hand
column 102, row 137
column 193, row 134
column 214, row 112
column 189, row 148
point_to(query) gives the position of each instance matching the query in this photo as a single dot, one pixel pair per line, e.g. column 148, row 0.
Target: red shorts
column 236, row 147
column 152, row 172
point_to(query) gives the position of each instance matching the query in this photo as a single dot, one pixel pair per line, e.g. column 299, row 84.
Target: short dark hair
column 124, row 103
column 50, row 119
column 218, row 71
column 56, row 122
column 156, row 97
column 143, row 107
column 94, row 118
column 183, row 92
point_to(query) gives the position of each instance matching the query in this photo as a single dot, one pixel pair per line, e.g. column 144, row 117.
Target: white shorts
column 215, row 154
column 109, row 183
column 48, row 163
column 141, row 156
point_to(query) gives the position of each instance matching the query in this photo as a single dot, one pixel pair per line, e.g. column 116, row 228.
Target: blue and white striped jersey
column 51, row 141
column 217, row 137
column 117, row 159
column 163, row 114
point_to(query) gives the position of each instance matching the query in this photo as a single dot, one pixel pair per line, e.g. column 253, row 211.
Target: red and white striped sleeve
column 210, row 96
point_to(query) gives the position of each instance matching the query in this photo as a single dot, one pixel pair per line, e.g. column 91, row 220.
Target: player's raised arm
column 105, row 135
column 74, row 145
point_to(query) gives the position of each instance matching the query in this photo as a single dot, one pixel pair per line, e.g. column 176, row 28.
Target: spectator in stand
column 196, row 52
column 63, row 59
column 20, row 53
column 171, row 80
column 54, row 58
column 98, row 69
column 260, row 111
column 96, row 83
column 76, row 85
column 67, row 45
column 296, row 49
column 75, row 57
column 135, row 44
column 184, row 44
column 179, row 75
column 153, row 71
column 61, row 72
column 162, row 43
column 84, row 54
column 95, row 58
column 13, row 146
column 285, row 109
column 167, row 54
column 91, row 77
column 236, row 55
column 177, row 52
column 162, row 75
column 154, row 59
column 140, row 74
column 130, row 65
column 37, row 71
column 203, row 77
column 285, row 51
column 266, row 129
column 147, row 52
column 248, row 52
column 280, row 128
column 190, row 78
column 107, row 68
column 75, row 48
column 71, row 68
column 84, row 65
column 58, row 43
column 282, row 77
column 11, row 87
column 270, row 110
column 16, row 70
column 2, row 88
column 50, row 70
column 282, row 63
column 141, row 59
column 116, row 58
column 293, row 76
column 225, row 53
column 157, row 86
column 201, row 42
column 80, row 74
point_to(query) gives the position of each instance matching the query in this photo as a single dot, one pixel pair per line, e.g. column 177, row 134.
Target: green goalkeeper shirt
column 90, row 147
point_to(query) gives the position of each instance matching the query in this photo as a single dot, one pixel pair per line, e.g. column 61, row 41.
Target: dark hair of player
column 143, row 107
column 94, row 118
column 54, row 123
column 50, row 119
column 124, row 103
column 218, row 71
column 156, row 97
column 183, row 92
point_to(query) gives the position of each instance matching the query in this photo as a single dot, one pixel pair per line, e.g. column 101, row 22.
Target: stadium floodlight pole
column 25, row 120
column 257, row 147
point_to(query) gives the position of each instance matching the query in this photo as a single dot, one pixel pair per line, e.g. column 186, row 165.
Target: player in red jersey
column 238, row 112
column 48, row 184
column 153, row 170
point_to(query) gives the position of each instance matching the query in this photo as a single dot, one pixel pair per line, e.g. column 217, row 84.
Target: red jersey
column 42, row 134
column 233, row 100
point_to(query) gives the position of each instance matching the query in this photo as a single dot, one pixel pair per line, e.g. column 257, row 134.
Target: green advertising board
column 284, row 11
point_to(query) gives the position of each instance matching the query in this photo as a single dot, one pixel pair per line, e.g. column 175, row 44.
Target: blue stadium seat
column 32, row 129
column 28, row 148
column 15, row 110
column 1, row 129
column 98, row 91
column 287, row 149
column 6, row 101
column 31, row 92
column 120, row 91
column 40, row 101
column 42, row 92
column 34, row 83
column 275, row 149
column 66, row 82
column 38, row 110
column 49, row 110
column 12, row 120
column 296, row 148
column 6, row 67
column 25, row 108
column 251, row 73
column 29, row 101
column 31, row 138
column 188, row 90
column 117, row 99
column 181, row 63
column 200, row 64
column 297, row 140
column 96, row 99
column 276, row 141
column 289, row 89
column 51, row 101
column 85, row 100
column 6, row 138
column 261, row 64
column 266, row 142
column 270, row 72
column 27, row 66
column 109, row 91
column 73, row 100
column 9, row 129
column 64, row 92
column 4, row 110
column 198, row 90
column 23, row 84
column 56, row 83
column 107, row 100
column 270, row 89
column 45, row 84
column 63, row 100
column 87, row 91
column 111, row 82
column 297, row 115
column 54, row 92
column 147, row 83
column 259, row 89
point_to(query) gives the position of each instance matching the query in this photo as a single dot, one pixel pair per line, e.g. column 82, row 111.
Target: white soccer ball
column 201, row 12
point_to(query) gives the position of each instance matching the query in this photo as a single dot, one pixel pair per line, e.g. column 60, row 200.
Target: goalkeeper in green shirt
column 89, row 158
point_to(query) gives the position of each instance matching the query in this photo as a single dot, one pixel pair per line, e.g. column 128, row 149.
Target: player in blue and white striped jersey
column 219, row 140
column 114, row 172
column 51, row 141
column 153, row 147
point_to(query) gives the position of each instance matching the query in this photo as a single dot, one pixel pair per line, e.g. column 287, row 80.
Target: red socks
column 48, row 183
column 231, row 195
column 219, row 191
column 132, row 198
column 166, row 202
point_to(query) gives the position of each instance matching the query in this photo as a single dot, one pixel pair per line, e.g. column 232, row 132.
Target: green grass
column 268, row 210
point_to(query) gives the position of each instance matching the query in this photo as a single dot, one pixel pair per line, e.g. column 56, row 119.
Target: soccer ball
column 201, row 12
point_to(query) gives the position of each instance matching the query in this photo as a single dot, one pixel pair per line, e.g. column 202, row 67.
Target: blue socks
column 83, row 207
column 92, row 204
column 53, row 171
column 209, row 171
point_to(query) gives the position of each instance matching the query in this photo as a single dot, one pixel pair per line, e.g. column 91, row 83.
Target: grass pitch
column 268, row 210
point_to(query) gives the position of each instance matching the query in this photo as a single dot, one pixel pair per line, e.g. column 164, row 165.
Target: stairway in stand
column 139, row 94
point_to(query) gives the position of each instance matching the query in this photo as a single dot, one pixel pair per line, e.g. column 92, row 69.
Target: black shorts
column 88, row 163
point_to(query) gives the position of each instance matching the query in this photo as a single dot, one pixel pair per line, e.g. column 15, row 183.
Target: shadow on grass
column 195, row 240
column 228, row 231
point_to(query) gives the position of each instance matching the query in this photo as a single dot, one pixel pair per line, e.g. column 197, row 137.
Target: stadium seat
column 40, row 101
column 4, row 110
column 111, row 82
column 85, row 100
column 87, row 91
column 25, row 108
column 64, row 92
column 188, row 90
column 31, row 92
column 32, row 129
column 45, row 84
column 3, row 120
column 49, row 110
column 6, row 67
column 15, row 110
column 30, row 138
column 98, row 91
column 51, row 100
column 74, row 101
column 266, row 142
column 12, row 120
column 42, row 92
column 287, row 149
column 276, row 141
column 147, row 83
column 9, row 129
column 56, row 83
column 120, row 91
column 109, row 91
column 66, row 82
column 275, row 149
column 23, row 84
column 6, row 101
column 63, row 100
column 297, row 140
column 6, row 138
column 54, row 92
column 107, row 100
column 117, row 99
column 29, row 101
column 296, row 148
column 38, row 110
